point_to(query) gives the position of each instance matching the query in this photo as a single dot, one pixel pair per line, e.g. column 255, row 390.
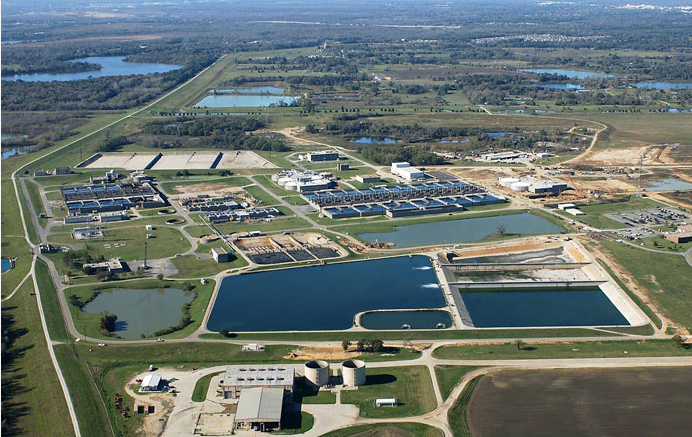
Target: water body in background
column 572, row 74
column 463, row 230
column 111, row 66
column 244, row 101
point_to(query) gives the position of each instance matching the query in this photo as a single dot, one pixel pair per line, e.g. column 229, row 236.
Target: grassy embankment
column 449, row 376
column 596, row 349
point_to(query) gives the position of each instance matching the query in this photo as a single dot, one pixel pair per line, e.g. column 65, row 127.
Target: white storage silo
column 317, row 372
column 520, row 186
column 507, row 182
column 353, row 372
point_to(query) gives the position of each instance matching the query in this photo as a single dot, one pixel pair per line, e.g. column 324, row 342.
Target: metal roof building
column 259, row 408
column 239, row 378
column 150, row 383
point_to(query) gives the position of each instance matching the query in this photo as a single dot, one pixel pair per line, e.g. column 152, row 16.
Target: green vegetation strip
column 417, row 429
column 51, row 305
column 457, row 415
column 600, row 349
column 415, row 335
column 449, row 376
column 640, row 303
column 294, row 423
column 199, row 394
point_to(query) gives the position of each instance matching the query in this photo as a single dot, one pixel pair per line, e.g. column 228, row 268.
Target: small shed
column 220, row 255
column 151, row 383
column 386, row 402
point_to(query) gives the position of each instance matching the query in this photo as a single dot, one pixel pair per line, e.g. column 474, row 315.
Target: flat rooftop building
column 150, row 383
column 259, row 409
column 239, row 378
column 405, row 171
column 324, row 155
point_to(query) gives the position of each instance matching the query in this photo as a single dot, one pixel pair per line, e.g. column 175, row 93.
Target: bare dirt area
column 624, row 156
column 210, row 188
column 584, row 402
column 154, row 423
column 501, row 250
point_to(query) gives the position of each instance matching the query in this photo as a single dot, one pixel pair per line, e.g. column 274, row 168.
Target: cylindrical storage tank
column 317, row 372
column 353, row 372
column 507, row 182
column 520, row 186
column 291, row 186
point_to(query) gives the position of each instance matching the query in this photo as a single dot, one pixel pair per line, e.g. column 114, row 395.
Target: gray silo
column 317, row 372
column 353, row 372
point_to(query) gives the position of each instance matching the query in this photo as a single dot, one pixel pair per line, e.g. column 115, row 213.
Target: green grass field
column 665, row 277
column 411, row 386
column 320, row 397
column 449, row 376
column 600, row 349
column 37, row 402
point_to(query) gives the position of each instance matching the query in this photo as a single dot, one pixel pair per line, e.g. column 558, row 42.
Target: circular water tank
column 275, row 177
column 282, row 181
column 353, row 372
column 507, row 182
column 520, row 186
column 291, row 186
column 317, row 372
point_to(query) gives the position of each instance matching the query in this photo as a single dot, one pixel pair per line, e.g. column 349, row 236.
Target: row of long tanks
column 317, row 373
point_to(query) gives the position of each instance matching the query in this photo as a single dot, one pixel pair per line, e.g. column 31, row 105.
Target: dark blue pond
column 6, row 265
column 323, row 297
column 572, row 74
column 561, row 86
column 526, row 307
column 111, row 66
column 414, row 319
column 375, row 140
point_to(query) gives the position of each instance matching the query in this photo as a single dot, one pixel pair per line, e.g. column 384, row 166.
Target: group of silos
column 352, row 372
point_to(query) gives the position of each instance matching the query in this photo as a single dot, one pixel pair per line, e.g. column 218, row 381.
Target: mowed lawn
column 128, row 243
column 600, row 349
column 666, row 277
column 449, row 376
column 33, row 401
column 411, row 386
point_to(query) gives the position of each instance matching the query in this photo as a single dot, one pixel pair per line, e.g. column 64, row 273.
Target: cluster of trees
column 113, row 144
column 107, row 323
column 365, row 345
column 217, row 132
column 51, row 66
column 385, row 155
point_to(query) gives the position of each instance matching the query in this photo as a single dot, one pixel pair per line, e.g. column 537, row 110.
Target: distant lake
column 141, row 311
column 463, row 230
column 572, row 74
column 258, row 90
column 112, row 66
column 14, row 151
column 244, row 101
column 375, row 140
column 663, row 85
column 561, row 86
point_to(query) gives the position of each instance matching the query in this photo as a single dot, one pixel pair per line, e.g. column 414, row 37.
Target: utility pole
column 145, row 255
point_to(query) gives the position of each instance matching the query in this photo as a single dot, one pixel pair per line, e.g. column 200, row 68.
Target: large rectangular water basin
column 514, row 308
column 323, row 297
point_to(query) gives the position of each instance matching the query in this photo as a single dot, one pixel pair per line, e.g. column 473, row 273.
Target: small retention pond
column 669, row 184
column 530, row 307
column 463, row 230
column 414, row 320
column 6, row 265
column 244, row 101
column 323, row 297
column 141, row 311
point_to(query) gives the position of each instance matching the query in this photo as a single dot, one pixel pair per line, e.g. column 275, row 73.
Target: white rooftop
column 260, row 404
column 257, row 376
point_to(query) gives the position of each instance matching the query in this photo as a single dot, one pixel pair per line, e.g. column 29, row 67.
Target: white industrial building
column 325, row 155
column 533, row 185
column 302, row 181
column 503, row 156
column 405, row 171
